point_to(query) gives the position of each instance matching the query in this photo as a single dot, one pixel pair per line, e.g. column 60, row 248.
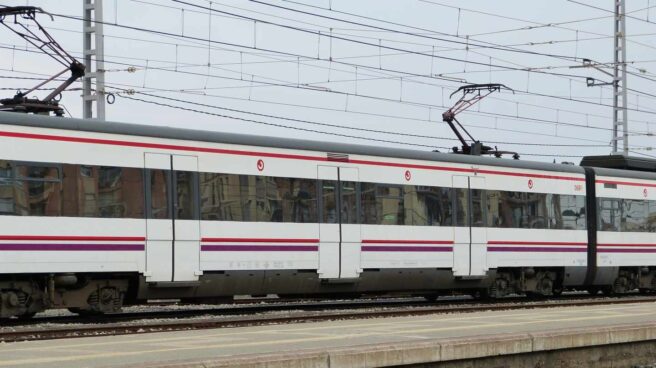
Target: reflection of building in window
column 627, row 215
column 535, row 210
column 231, row 197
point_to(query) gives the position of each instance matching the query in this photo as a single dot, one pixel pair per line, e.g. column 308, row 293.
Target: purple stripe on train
column 383, row 248
column 625, row 250
column 536, row 249
column 70, row 247
column 260, row 248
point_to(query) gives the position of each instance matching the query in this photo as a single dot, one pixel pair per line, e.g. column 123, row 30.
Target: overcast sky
column 380, row 81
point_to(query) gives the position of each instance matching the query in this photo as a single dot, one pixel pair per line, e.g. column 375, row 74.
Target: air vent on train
column 337, row 157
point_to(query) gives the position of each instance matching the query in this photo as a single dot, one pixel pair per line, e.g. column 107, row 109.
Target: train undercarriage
column 86, row 294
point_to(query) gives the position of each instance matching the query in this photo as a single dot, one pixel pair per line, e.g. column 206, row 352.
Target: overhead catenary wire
column 315, row 58
column 360, row 79
column 302, row 129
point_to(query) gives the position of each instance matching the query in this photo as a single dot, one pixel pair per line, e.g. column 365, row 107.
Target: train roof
column 622, row 166
column 621, row 162
column 90, row 125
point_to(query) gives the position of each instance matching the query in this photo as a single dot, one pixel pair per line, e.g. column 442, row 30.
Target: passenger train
column 97, row 215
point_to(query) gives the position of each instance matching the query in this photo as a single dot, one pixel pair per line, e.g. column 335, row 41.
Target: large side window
column 521, row 210
column 30, row 189
column 231, row 197
column 627, row 215
column 120, row 192
column 42, row 189
column 102, row 191
column 427, row 206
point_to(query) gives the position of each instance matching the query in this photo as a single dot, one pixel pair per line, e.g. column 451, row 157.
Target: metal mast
column 620, row 118
column 93, row 45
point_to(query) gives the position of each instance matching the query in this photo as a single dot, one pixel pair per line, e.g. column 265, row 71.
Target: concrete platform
column 440, row 340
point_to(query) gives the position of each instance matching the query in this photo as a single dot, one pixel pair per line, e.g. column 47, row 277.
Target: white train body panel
column 64, row 244
column 219, row 246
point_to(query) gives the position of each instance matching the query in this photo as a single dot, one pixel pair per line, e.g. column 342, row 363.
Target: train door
column 339, row 231
column 470, row 237
column 172, row 226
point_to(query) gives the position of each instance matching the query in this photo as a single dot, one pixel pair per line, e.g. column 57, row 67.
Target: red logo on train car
column 408, row 175
column 260, row 165
column 645, row 192
column 530, row 183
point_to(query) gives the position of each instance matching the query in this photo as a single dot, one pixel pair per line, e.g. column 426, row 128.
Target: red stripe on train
column 258, row 240
column 112, row 142
column 373, row 241
column 513, row 242
column 72, row 237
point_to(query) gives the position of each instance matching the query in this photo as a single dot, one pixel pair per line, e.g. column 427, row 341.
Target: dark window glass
column 651, row 216
column 159, row 194
column 329, row 201
column 382, row 204
column 368, row 203
column 185, row 202
column 627, row 215
column 229, row 197
column 70, row 190
column 38, row 172
column 477, row 208
column 120, row 192
column 221, row 196
column 349, row 202
column 567, row 211
column 535, row 210
column 461, row 206
column 30, row 189
column 610, row 214
column 390, row 205
column 438, row 206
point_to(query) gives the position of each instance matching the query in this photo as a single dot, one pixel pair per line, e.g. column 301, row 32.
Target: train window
column 634, row 215
column 349, row 202
column 37, row 172
column 6, row 169
column 185, row 201
column 221, row 196
column 461, row 199
column 438, row 202
column 230, row 197
column 427, row 206
column 159, row 194
column 29, row 190
column 651, row 216
column 329, row 202
column 477, row 208
column 610, row 214
column 535, row 210
column 120, row 192
column 566, row 212
column 368, row 203
column 382, row 204
column 627, row 215
column 102, row 191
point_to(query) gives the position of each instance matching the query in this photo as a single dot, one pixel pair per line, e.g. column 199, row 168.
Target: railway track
column 59, row 327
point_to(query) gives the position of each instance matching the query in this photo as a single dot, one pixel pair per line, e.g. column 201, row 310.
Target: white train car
column 99, row 214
